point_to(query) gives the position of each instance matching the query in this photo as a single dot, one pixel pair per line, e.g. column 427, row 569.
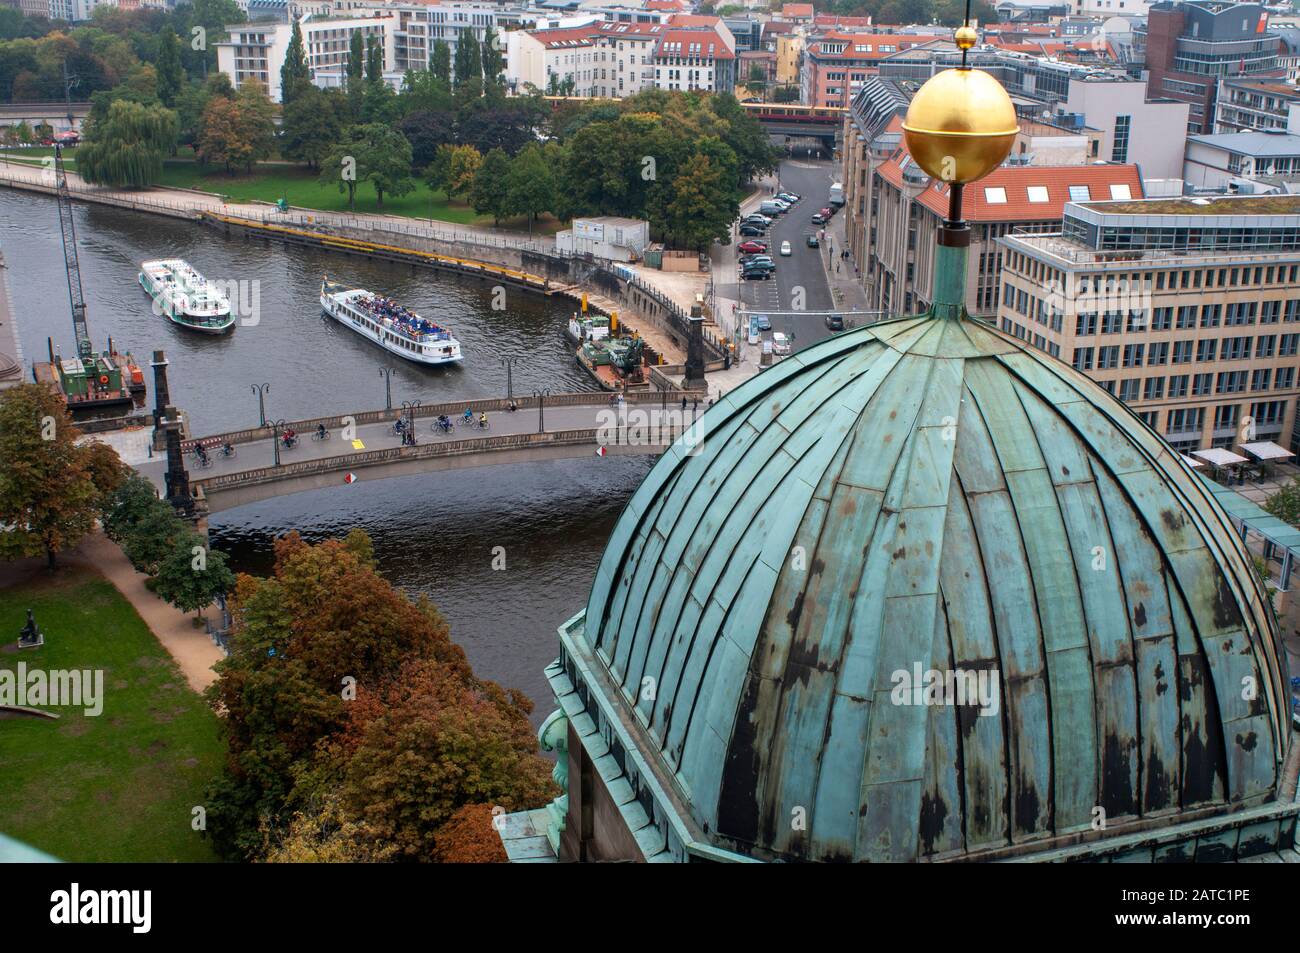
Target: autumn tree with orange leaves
column 355, row 727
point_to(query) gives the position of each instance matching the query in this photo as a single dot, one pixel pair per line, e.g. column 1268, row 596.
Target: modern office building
column 1191, row 45
column 1149, row 133
column 1187, row 309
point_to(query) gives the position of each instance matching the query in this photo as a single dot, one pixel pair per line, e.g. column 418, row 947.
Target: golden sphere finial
column 965, row 37
column 961, row 125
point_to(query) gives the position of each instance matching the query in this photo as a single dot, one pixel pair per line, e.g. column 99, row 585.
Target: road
column 800, row 280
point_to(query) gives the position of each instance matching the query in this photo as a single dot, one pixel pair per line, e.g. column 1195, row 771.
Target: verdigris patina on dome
column 929, row 494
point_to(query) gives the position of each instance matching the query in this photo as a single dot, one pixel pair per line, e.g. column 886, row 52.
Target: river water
column 434, row 533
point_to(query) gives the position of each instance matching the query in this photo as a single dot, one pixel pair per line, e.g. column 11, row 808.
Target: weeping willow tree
column 126, row 148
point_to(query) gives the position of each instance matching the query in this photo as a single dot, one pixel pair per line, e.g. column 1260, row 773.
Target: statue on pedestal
column 31, row 636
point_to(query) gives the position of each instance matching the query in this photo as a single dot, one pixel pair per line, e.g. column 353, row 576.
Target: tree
column 422, row 91
column 171, row 75
column 490, row 193
column 256, row 121
column 468, row 68
column 311, row 124
column 295, row 75
column 494, row 81
column 130, row 502
column 374, row 60
column 453, row 169
column 356, row 64
column 151, row 538
column 440, row 61
column 757, row 79
column 1285, row 503
column 192, row 576
column 531, row 184
column 323, row 616
column 48, row 497
column 470, row 837
column 696, row 207
column 430, row 741
column 426, row 130
column 223, row 139
column 126, row 150
column 371, row 153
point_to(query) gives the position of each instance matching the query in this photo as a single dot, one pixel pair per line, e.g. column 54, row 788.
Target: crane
column 85, row 350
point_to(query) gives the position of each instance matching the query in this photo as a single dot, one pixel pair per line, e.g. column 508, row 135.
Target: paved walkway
column 194, row 652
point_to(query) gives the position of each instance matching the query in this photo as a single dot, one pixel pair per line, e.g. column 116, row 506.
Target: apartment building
column 605, row 59
column 1248, row 104
column 836, row 64
column 258, row 50
column 695, row 57
column 1191, row 45
column 1187, row 309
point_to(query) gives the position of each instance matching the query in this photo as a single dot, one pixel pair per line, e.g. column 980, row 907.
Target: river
column 433, row 533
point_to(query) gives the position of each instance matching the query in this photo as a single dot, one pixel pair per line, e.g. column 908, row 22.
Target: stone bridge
column 365, row 447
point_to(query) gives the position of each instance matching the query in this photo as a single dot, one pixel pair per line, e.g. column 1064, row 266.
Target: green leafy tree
column 311, row 124
column 696, row 207
column 153, row 536
column 124, row 509
column 374, row 60
column 468, row 67
column 490, row 194
column 192, row 576
column 48, row 496
column 126, row 150
column 531, row 184
column 171, row 75
column 494, row 67
column 1285, row 503
column 440, row 62
column 423, row 92
column 371, row 153
column 295, row 75
column 356, row 59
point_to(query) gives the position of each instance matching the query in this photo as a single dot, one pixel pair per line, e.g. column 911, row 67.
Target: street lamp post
column 408, row 410
column 541, row 396
column 261, row 390
column 509, row 363
column 388, row 387
column 276, row 428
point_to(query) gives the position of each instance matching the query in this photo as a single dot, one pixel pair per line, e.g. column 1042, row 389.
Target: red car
column 752, row 247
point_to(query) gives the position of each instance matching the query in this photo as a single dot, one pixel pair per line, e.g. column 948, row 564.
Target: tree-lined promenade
column 449, row 144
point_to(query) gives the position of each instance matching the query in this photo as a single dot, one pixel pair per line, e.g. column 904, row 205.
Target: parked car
column 752, row 247
column 749, row 260
column 819, row 219
column 772, row 207
column 835, row 322
column 780, row 343
column 763, row 323
column 757, row 273
column 813, row 242
column 827, row 212
column 749, row 230
column 787, row 197
column 757, row 217
column 785, row 248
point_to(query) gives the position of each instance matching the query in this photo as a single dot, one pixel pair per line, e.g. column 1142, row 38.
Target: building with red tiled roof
column 603, row 59
column 667, row 6
column 836, row 63
column 900, row 208
column 695, row 58
column 797, row 11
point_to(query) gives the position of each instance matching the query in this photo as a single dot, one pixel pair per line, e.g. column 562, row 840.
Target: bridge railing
column 650, row 435
column 451, row 409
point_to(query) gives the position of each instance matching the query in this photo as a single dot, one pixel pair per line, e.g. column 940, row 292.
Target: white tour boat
column 388, row 324
column 185, row 297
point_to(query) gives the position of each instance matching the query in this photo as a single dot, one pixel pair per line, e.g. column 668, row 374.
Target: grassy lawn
column 270, row 183
column 120, row 786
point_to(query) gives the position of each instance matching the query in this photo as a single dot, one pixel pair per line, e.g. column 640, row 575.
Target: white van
column 772, row 207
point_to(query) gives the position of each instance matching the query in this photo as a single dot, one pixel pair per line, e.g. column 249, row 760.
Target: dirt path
column 192, row 649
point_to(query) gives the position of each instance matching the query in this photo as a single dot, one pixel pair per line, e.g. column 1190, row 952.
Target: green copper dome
column 926, row 502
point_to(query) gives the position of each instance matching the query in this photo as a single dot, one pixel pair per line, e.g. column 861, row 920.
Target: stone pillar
column 161, row 394
column 177, row 479
column 695, row 350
